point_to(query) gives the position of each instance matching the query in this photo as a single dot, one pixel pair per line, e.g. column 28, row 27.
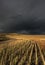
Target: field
column 22, row 50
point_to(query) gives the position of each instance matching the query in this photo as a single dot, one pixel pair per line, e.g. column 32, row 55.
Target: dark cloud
column 22, row 16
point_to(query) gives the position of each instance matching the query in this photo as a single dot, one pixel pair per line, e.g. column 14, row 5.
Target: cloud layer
column 22, row 16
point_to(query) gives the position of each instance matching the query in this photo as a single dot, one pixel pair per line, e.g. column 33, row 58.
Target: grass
column 20, row 54
column 21, row 51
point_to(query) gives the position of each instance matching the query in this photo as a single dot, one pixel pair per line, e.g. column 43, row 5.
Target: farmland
column 22, row 50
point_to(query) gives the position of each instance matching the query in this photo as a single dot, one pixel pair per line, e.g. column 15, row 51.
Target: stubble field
column 22, row 50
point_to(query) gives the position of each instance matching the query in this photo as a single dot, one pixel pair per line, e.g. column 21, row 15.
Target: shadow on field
column 3, row 37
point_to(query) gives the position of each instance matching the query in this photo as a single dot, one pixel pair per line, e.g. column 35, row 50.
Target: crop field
column 21, row 52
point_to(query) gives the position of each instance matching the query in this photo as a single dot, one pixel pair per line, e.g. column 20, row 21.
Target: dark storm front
column 22, row 16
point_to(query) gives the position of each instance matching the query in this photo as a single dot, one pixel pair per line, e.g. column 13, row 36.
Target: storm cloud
column 22, row 16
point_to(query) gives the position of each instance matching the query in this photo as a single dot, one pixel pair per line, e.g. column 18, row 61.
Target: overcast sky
column 22, row 16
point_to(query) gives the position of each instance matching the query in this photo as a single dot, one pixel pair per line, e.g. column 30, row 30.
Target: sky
column 22, row 16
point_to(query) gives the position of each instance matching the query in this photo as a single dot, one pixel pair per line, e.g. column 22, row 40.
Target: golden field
column 22, row 49
column 35, row 38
